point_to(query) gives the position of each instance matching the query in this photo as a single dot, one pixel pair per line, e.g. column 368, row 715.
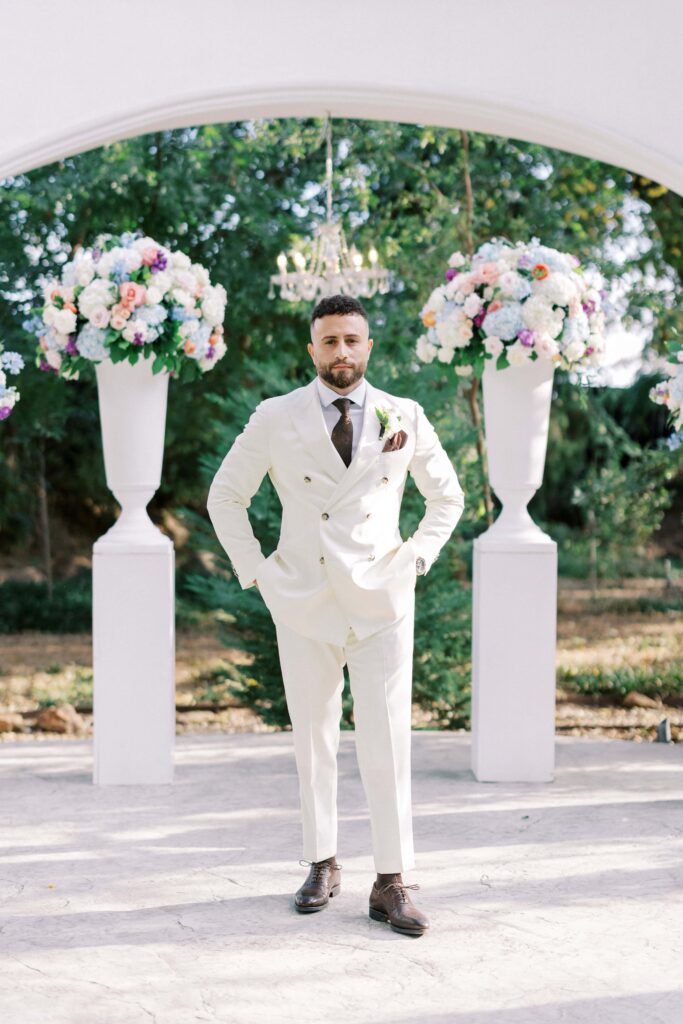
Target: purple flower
column 451, row 272
column 526, row 262
column 138, row 339
column 160, row 262
column 4, row 412
column 479, row 318
column 71, row 349
column 589, row 350
column 527, row 337
column 588, row 307
column 211, row 351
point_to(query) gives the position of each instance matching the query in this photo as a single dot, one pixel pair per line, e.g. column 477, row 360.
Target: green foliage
column 24, row 605
column 663, row 681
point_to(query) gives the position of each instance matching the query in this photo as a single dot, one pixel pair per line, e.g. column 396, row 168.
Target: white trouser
column 380, row 674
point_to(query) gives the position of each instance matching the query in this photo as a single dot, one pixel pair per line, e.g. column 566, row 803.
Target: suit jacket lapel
column 369, row 445
column 309, row 421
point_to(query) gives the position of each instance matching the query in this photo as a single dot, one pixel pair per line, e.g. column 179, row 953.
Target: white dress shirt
column 331, row 413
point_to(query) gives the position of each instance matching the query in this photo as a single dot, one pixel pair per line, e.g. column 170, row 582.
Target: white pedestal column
column 133, row 664
column 515, row 589
column 133, row 588
column 513, row 662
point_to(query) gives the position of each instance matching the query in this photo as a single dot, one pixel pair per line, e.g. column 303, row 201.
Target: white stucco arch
column 600, row 80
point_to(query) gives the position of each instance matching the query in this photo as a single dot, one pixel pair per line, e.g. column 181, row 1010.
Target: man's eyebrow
column 352, row 335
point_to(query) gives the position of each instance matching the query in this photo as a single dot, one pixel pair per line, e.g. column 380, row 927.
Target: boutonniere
column 390, row 425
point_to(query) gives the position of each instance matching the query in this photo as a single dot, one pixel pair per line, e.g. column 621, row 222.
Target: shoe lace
column 400, row 888
column 319, row 867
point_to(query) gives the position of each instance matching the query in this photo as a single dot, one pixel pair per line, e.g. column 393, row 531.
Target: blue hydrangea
column 119, row 272
column 200, row 339
column 152, row 315
column 179, row 313
column 490, row 251
column 504, row 323
column 12, row 362
column 90, row 343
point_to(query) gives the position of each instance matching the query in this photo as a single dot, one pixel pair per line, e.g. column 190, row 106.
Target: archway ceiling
column 601, row 80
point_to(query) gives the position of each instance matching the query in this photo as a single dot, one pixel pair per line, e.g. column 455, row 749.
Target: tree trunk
column 44, row 520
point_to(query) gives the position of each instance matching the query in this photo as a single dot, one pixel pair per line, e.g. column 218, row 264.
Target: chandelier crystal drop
column 333, row 268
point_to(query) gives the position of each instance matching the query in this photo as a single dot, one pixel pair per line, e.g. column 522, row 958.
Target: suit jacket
column 340, row 561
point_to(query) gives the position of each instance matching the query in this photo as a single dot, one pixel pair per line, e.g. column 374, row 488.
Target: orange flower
column 70, row 305
column 540, row 271
column 494, row 306
column 189, row 347
column 429, row 318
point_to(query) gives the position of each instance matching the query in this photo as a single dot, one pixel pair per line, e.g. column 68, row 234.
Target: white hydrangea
column 426, row 351
column 539, row 316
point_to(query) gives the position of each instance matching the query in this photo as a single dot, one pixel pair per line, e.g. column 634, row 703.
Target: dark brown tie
column 342, row 434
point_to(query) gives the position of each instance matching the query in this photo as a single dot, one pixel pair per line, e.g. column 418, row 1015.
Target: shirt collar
column 327, row 395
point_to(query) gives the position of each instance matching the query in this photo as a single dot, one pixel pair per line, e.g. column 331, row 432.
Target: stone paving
column 549, row 902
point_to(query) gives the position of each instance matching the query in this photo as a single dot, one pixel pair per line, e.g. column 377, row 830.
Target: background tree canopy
column 233, row 196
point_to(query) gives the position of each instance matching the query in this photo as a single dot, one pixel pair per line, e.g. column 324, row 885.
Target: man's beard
column 343, row 377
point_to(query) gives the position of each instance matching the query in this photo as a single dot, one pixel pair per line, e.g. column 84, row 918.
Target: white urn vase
column 132, row 403
column 517, row 403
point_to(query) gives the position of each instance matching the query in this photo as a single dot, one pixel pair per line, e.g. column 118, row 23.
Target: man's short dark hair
column 338, row 305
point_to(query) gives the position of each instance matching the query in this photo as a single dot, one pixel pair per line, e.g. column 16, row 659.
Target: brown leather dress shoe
column 324, row 880
column 392, row 903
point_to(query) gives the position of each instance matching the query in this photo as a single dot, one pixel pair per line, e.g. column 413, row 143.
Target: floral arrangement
column 513, row 303
column 128, row 296
column 10, row 362
column 669, row 392
column 389, row 420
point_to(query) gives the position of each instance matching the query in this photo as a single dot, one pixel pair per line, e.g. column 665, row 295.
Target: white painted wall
column 594, row 77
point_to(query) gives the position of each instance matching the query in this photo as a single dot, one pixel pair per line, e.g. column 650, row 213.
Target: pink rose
column 487, row 273
column 132, row 294
column 149, row 255
column 118, row 322
column 99, row 316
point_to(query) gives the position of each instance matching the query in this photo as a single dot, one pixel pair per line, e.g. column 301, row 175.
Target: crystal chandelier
column 333, row 269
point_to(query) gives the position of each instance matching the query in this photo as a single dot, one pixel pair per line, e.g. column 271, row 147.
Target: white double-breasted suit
column 340, row 587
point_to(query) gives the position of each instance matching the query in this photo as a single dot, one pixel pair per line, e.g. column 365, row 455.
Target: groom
column 340, row 586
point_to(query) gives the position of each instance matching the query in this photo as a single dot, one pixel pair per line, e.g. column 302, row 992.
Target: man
column 341, row 586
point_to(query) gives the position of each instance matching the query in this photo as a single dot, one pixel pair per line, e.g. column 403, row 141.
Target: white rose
column 517, row 354
column 99, row 316
column 436, row 300
column 53, row 358
column 213, row 310
column 445, row 354
column 64, row 321
column 153, row 296
column 49, row 315
column 472, row 305
column 456, row 259
column 546, row 346
column 493, row 345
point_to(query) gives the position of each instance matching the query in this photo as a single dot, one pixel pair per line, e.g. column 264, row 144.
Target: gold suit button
column 325, row 515
column 307, row 479
column 385, row 479
column 322, row 560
